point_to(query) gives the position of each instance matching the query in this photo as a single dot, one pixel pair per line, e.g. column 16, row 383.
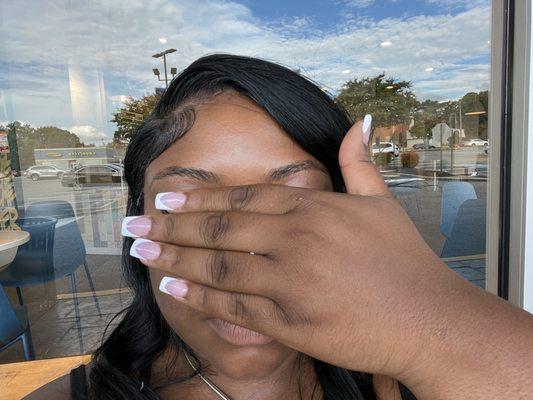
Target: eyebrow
column 287, row 170
column 210, row 177
column 185, row 172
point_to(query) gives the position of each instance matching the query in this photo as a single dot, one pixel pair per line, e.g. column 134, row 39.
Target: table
column 20, row 379
column 9, row 242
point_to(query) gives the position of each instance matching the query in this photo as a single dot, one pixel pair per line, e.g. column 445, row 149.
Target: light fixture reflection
column 386, row 43
column 162, row 40
column 429, row 69
column 346, row 71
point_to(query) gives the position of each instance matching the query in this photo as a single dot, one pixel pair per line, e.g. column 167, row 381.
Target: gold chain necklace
column 206, row 380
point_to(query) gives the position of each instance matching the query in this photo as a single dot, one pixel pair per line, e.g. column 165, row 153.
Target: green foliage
column 409, row 159
column 23, row 139
column 390, row 101
column 131, row 115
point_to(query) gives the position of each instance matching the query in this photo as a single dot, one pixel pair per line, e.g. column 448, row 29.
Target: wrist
column 477, row 346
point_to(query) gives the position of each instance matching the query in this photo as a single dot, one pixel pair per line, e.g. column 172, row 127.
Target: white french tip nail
column 133, row 248
column 163, row 284
column 367, row 124
column 159, row 205
column 124, row 229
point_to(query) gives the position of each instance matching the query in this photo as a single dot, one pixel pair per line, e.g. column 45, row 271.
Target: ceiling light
column 386, row 43
column 162, row 40
column 346, row 71
column 429, row 69
column 389, row 87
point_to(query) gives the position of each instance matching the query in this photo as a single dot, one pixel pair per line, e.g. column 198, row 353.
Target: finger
column 265, row 199
column 224, row 270
column 360, row 175
column 236, row 231
column 253, row 312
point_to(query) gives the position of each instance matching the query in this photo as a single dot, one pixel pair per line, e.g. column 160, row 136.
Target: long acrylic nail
column 136, row 226
column 367, row 127
column 177, row 288
column 169, row 200
column 145, row 249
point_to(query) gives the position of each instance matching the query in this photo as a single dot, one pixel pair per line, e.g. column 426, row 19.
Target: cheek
column 178, row 316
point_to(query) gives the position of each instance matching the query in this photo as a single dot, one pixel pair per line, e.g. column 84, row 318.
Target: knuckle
column 214, row 227
column 171, row 255
column 240, row 197
column 217, row 267
column 237, row 306
column 204, row 298
column 169, row 225
column 286, row 316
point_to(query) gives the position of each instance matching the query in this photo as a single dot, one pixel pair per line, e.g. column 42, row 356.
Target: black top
column 78, row 386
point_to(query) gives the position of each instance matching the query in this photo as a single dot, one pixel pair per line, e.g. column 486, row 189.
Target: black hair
column 308, row 116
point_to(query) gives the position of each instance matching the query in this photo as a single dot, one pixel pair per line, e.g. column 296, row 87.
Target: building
column 66, row 158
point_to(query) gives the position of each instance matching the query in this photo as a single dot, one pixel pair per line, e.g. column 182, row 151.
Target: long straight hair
column 122, row 365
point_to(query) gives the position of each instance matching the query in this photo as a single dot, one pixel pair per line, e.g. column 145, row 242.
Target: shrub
column 409, row 159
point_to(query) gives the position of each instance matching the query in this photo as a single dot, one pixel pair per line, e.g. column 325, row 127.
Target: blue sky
column 71, row 64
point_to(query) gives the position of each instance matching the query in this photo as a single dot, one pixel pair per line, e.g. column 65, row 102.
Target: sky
column 72, row 63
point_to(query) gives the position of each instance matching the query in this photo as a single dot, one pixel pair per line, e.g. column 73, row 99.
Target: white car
column 37, row 172
column 474, row 142
column 385, row 147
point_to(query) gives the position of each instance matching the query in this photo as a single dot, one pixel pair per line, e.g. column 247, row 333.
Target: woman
column 224, row 121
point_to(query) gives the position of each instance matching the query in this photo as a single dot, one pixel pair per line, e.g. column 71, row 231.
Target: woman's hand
column 344, row 278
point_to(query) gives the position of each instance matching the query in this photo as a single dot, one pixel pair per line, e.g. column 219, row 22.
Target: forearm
column 477, row 346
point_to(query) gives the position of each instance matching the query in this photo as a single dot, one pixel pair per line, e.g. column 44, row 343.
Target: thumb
column 360, row 175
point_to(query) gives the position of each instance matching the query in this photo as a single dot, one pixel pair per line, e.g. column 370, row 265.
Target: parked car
column 37, row 172
column 423, row 146
column 385, row 147
column 88, row 175
column 474, row 142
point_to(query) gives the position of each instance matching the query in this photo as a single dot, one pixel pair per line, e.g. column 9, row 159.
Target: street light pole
column 165, row 66
column 164, row 55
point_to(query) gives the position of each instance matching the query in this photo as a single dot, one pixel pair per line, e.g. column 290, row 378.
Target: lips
column 238, row 335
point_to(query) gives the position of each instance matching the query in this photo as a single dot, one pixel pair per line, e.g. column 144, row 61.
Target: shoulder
column 58, row 389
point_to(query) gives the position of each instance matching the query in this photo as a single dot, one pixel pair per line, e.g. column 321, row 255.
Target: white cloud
column 89, row 134
column 109, row 45
column 357, row 3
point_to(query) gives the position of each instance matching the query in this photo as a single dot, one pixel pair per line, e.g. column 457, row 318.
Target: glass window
column 79, row 77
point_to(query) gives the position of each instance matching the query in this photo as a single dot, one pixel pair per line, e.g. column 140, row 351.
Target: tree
column 23, row 139
column 390, row 101
column 129, row 117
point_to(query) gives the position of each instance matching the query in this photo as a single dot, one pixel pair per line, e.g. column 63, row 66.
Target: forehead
column 231, row 135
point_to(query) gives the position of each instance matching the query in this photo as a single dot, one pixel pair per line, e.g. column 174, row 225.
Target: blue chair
column 467, row 236
column 15, row 326
column 69, row 249
column 454, row 194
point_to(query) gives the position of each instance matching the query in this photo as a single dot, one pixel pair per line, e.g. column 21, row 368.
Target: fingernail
column 136, row 226
column 169, row 201
column 175, row 287
column 367, row 127
column 145, row 249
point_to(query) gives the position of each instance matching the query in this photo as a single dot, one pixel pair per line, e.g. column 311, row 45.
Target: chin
column 235, row 352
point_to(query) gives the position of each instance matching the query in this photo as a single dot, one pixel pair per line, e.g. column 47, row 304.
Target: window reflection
column 79, row 77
